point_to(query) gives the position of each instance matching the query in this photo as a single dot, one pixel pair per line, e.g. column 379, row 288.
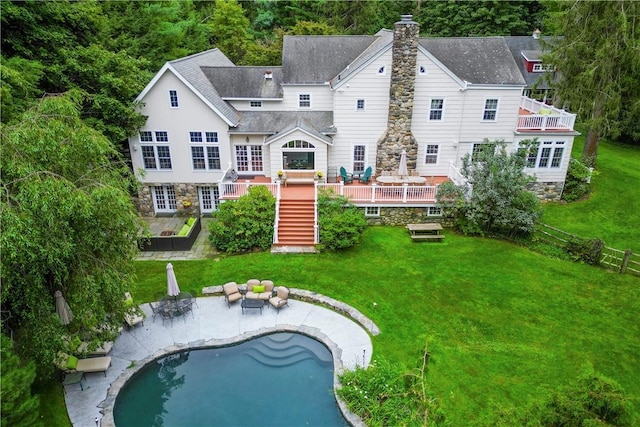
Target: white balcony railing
column 544, row 117
column 384, row 194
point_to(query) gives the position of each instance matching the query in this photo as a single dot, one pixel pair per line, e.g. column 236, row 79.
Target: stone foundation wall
column 184, row 193
column 402, row 216
column 547, row 191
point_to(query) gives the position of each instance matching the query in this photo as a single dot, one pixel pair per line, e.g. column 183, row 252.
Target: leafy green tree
column 19, row 406
column 598, row 62
column 229, row 30
column 499, row 203
column 68, row 223
column 245, row 224
column 341, row 222
column 19, row 88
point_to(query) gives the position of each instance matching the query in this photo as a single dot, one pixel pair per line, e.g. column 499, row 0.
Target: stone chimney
column 398, row 135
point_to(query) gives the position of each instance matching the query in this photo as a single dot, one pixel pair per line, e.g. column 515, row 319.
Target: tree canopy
column 68, row 224
column 598, row 59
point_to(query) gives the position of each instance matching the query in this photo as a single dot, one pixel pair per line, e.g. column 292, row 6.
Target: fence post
column 625, row 261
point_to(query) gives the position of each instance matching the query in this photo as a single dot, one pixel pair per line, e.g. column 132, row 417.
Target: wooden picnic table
column 428, row 231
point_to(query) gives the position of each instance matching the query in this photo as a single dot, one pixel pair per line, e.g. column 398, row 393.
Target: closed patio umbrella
column 172, row 284
column 63, row 309
column 402, row 168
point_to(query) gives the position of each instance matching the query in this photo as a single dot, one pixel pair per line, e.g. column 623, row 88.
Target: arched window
column 298, row 154
column 298, row 144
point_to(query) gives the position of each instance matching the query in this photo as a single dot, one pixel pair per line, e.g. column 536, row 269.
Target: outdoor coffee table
column 252, row 303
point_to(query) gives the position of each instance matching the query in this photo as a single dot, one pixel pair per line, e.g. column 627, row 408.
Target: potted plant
column 319, row 175
column 280, row 175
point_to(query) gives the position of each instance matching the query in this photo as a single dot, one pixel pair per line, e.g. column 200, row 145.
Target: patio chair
column 155, row 309
column 366, row 177
column 69, row 364
column 281, row 299
column 231, row 292
column 346, row 177
column 133, row 317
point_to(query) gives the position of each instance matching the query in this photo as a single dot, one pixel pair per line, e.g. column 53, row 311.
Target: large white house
column 341, row 101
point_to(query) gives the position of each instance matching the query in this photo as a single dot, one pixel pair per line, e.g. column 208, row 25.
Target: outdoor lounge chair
column 231, row 292
column 70, row 364
column 103, row 350
column 366, row 177
column 257, row 289
column 281, row 299
column 346, row 177
column 133, row 317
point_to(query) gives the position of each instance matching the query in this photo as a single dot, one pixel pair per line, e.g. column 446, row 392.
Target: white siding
column 244, row 105
column 191, row 115
column 275, row 152
column 321, row 98
column 473, row 128
column 549, row 174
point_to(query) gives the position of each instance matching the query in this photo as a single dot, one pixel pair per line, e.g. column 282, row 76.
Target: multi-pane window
column 437, row 107
column 359, row 158
column 490, row 109
column 548, row 155
column 164, row 198
column 304, row 100
column 434, row 211
column 372, row 211
column 209, row 198
column 431, row 154
column 173, row 98
column 197, row 157
column 155, row 156
column 360, row 105
column 249, row 158
column 195, row 136
column 479, row 151
column 211, row 136
column 213, row 158
column 255, row 104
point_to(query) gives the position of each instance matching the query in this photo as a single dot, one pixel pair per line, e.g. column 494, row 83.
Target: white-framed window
column 479, row 149
column 255, row 104
column 382, row 71
column 249, row 158
column 373, row 211
column 195, row 137
column 422, row 69
column 359, row 158
column 155, row 156
column 431, row 154
column 547, row 155
column 436, row 109
column 360, row 104
column 164, row 198
column 210, row 162
column 434, row 211
column 211, row 136
column 173, row 98
column 490, row 110
column 304, row 100
column 209, row 198
column 538, row 67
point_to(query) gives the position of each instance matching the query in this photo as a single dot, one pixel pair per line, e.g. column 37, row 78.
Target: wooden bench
column 427, row 236
column 299, row 177
column 428, row 231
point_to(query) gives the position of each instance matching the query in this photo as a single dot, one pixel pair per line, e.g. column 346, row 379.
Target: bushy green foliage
column 341, row 223
column 498, row 204
column 587, row 250
column 68, row 224
column 385, row 395
column 19, row 406
column 244, row 224
column 594, row 400
column 578, row 181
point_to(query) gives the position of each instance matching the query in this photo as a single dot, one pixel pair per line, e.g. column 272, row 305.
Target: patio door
column 209, row 199
column 249, row 159
column 164, row 198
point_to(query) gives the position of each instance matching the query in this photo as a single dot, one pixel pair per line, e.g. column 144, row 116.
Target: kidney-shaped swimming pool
column 283, row 379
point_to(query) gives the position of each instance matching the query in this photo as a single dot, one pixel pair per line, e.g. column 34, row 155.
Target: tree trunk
column 590, row 150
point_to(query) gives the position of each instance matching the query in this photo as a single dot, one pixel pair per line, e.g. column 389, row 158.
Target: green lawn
column 503, row 324
column 612, row 212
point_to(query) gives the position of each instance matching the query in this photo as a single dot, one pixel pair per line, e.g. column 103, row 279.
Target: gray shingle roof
column 245, row 82
column 190, row 69
column 272, row 122
column 318, row 59
column 518, row 44
column 478, row 60
column 383, row 40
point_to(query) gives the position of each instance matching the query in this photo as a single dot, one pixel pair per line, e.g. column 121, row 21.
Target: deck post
column 625, row 261
column 405, row 188
column 373, row 192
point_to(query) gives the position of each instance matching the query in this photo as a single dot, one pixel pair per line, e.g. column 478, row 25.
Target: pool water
column 283, row 379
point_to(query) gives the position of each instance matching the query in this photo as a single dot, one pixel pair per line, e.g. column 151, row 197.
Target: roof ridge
column 194, row 55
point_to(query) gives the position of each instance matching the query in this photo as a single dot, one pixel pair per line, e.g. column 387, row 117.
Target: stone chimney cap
column 407, row 19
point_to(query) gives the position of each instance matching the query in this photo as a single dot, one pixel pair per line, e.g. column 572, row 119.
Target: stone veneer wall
column 184, row 192
column 398, row 135
column 402, row 216
column 547, row 191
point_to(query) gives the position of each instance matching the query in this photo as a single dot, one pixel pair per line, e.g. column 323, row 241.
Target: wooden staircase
column 295, row 227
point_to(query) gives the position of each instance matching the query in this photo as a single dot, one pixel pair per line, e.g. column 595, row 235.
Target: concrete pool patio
column 214, row 323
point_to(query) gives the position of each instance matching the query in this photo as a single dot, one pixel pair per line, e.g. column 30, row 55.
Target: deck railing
column 553, row 119
column 234, row 190
column 383, row 194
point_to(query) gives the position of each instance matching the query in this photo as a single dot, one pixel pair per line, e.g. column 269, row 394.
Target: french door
column 249, row 159
column 164, row 198
column 209, row 199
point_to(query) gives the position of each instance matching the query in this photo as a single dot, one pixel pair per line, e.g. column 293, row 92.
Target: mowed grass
column 612, row 211
column 503, row 324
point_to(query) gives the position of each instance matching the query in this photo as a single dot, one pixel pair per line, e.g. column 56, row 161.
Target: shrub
column 578, row 181
column 587, row 250
column 341, row 223
column 246, row 223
